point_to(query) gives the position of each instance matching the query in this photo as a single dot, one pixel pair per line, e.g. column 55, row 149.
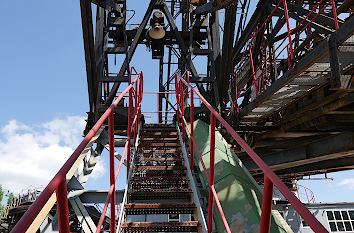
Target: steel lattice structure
column 278, row 86
column 275, row 59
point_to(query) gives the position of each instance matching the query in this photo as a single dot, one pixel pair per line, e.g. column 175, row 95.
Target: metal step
column 159, row 184
column 151, row 173
column 165, row 159
column 158, row 129
column 153, row 144
column 159, row 134
column 159, row 163
column 159, row 194
column 159, row 208
column 159, row 138
column 188, row 226
column 159, row 168
column 145, row 183
column 167, row 151
column 158, row 178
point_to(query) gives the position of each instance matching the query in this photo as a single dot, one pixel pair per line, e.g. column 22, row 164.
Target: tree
column 10, row 199
column 1, row 197
column 1, row 193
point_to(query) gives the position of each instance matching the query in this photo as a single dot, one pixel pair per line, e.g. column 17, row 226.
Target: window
column 330, row 215
column 351, row 214
column 340, row 220
column 337, row 215
column 333, row 226
column 340, row 226
column 345, row 215
column 348, row 226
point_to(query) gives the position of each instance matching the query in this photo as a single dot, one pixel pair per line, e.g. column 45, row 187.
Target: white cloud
column 348, row 183
column 31, row 155
column 99, row 169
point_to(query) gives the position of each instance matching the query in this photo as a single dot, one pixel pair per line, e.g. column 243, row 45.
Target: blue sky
column 42, row 69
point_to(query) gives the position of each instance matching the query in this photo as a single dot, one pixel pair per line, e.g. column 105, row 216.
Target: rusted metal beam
column 90, row 57
column 213, row 6
column 334, row 62
column 187, row 226
column 320, row 51
column 131, row 51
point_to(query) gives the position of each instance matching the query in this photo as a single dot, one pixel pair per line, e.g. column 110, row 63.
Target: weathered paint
column 238, row 193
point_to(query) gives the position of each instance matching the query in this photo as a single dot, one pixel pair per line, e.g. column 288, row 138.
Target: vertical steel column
column 111, row 168
column 252, row 69
column 136, row 110
column 236, row 104
column 192, row 130
column 191, row 119
column 289, row 60
column 63, row 211
column 177, row 97
column 266, row 205
column 211, row 172
column 289, row 30
column 161, row 89
column 335, row 16
column 158, row 108
column 141, row 90
column 182, row 106
column 263, row 87
column 129, row 132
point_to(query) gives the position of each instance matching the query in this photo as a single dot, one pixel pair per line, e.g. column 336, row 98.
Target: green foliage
column 1, row 197
column 10, row 199
column 1, row 193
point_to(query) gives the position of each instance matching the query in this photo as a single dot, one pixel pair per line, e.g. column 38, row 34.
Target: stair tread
column 158, row 129
column 146, row 145
column 152, row 191
column 167, row 159
column 151, row 224
column 159, row 184
column 162, row 168
column 159, row 138
column 160, row 194
column 160, row 151
column 159, row 178
column 160, row 206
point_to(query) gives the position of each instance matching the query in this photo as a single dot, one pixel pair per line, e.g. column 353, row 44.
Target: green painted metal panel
column 238, row 193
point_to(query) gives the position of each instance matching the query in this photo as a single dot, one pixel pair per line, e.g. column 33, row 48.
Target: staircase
column 160, row 198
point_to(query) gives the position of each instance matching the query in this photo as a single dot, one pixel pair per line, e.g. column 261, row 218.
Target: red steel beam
column 211, row 172
column 43, row 198
column 111, row 170
column 223, row 218
column 63, row 211
column 192, row 130
column 266, row 205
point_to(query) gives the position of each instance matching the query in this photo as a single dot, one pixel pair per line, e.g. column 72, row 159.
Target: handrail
column 58, row 183
column 279, row 50
column 270, row 178
column 310, row 199
column 127, row 148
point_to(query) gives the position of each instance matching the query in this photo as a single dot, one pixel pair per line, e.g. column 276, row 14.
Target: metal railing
column 30, row 196
column 283, row 48
column 270, row 178
column 58, row 183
